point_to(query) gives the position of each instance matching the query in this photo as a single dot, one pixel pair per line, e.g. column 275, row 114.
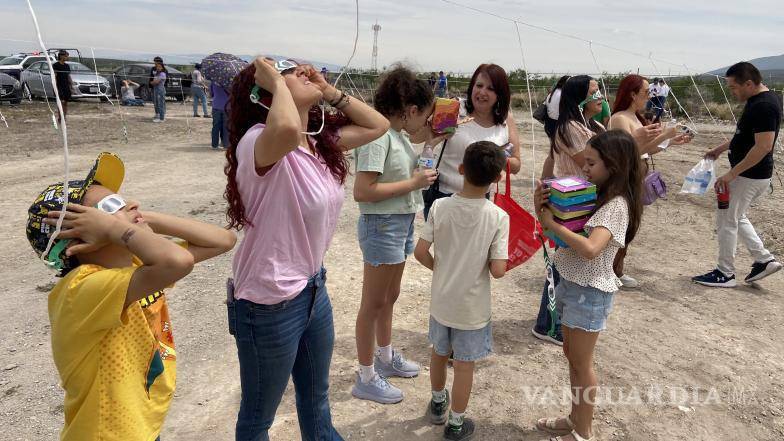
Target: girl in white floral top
column 584, row 296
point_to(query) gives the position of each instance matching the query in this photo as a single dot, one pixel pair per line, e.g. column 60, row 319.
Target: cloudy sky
column 430, row 34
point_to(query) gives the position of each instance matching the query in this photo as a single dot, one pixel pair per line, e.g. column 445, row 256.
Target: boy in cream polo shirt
column 469, row 235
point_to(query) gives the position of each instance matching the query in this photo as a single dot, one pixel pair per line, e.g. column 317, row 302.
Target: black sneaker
column 715, row 278
column 437, row 412
column 760, row 270
column 463, row 432
column 545, row 336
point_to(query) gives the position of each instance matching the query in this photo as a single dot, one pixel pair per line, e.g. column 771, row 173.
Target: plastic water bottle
column 427, row 158
column 666, row 143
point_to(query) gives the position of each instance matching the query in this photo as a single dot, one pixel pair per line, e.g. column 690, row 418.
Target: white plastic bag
column 700, row 178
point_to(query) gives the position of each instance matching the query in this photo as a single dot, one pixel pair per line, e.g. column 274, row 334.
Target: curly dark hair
column 244, row 114
column 400, row 88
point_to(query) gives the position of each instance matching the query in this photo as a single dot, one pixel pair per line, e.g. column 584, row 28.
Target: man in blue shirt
column 441, row 86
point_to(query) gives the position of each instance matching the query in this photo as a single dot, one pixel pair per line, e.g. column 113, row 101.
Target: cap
column 107, row 171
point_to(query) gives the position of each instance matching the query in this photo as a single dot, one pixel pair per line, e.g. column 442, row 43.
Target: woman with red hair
column 630, row 100
column 286, row 168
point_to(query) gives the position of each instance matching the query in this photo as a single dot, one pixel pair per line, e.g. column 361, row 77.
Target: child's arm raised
column 423, row 256
column 164, row 261
column 204, row 240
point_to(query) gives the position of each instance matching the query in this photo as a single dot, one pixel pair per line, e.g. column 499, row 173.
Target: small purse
column 654, row 186
column 540, row 113
column 430, row 194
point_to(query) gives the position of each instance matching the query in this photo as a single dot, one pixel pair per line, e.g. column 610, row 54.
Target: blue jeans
column 220, row 128
column 544, row 320
column 159, row 99
column 133, row 102
column 199, row 95
column 294, row 339
column 659, row 103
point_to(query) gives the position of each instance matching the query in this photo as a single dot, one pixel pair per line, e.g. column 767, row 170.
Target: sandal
column 548, row 425
column 574, row 434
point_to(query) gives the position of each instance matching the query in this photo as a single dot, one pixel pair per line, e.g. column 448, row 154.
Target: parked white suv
column 15, row 64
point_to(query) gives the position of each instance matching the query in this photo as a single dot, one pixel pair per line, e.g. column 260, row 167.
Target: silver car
column 36, row 81
column 10, row 89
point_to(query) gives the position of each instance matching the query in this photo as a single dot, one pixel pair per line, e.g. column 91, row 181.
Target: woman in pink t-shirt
column 286, row 168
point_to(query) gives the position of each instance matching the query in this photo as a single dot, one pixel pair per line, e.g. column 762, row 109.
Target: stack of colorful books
column 572, row 201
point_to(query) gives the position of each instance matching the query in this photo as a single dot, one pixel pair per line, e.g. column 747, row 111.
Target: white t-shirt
column 653, row 90
column 197, row 80
column 127, row 92
column 598, row 272
column 553, row 102
column 466, row 234
column 450, row 180
column 664, row 90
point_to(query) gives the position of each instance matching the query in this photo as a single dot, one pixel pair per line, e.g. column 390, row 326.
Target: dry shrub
column 721, row 111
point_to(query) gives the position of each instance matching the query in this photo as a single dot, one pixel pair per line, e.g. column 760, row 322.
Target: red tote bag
column 523, row 228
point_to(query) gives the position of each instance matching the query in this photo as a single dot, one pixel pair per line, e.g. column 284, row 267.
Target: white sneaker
column 156, row 120
column 378, row 389
column 629, row 282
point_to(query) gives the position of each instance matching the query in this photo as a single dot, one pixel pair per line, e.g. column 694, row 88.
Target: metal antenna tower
column 374, row 62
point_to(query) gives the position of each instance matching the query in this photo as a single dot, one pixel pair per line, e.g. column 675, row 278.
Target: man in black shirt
column 751, row 158
column 62, row 76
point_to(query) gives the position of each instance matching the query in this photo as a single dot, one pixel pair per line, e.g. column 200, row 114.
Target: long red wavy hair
column 623, row 99
column 244, row 114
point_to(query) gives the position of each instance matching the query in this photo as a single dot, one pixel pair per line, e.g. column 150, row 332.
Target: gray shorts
column 465, row 345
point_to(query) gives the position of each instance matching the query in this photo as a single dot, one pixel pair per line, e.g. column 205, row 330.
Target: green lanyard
column 550, row 270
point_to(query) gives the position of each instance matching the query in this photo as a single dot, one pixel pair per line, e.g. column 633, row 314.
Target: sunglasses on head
column 111, row 204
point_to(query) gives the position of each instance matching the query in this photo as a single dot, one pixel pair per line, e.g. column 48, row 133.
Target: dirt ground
column 716, row 354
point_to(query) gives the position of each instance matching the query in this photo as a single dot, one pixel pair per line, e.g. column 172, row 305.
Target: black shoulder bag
column 430, row 194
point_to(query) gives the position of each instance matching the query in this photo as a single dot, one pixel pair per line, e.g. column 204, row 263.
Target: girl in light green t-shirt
column 388, row 189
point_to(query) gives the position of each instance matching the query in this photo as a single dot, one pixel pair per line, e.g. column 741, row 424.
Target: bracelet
column 338, row 100
column 344, row 102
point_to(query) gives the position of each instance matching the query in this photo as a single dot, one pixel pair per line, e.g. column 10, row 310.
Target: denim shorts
column 386, row 239
column 582, row 307
column 465, row 345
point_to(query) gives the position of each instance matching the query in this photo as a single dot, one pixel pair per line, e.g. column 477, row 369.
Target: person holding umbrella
column 220, row 69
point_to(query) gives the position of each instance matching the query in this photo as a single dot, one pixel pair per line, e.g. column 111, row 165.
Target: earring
column 497, row 109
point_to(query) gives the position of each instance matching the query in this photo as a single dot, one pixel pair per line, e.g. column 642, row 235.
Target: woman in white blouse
column 488, row 104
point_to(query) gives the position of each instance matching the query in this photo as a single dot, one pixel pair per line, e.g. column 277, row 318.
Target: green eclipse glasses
column 283, row 67
column 595, row 97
